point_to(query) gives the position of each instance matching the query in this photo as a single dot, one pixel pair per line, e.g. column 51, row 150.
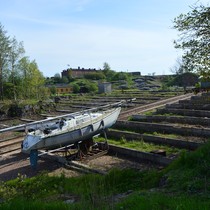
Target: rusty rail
column 140, row 109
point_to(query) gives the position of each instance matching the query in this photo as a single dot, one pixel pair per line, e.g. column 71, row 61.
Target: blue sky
column 132, row 35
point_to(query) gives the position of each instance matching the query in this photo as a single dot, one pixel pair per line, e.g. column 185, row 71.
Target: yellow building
column 60, row 89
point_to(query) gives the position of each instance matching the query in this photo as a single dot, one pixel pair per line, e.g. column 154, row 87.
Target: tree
column 64, row 80
column 57, row 78
column 20, row 76
column 108, row 72
column 23, row 66
column 124, row 78
column 106, row 66
column 177, row 68
column 70, row 78
column 4, row 56
column 75, row 87
column 84, row 86
column 32, row 79
column 185, row 80
column 36, row 81
column 194, row 28
column 8, row 90
column 53, row 90
column 16, row 52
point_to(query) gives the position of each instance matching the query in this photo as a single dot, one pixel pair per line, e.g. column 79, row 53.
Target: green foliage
column 168, row 81
column 124, row 79
column 120, row 76
column 160, row 201
column 53, row 90
column 17, row 73
column 188, row 174
column 194, row 39
column 64, row 80
column 5, row 49
column 91, row 190
column 14, row 110
column 22, row 203
column 180, row 79
column 84, row 85
column 185, row 79
column 106, row 67
column 32, row 188
column 149, row 113
column 8, row 90
column 32, row 80
column 122, row 140
column 57, row 78
column 143, row 146
column 191, row 171
column 75, row 87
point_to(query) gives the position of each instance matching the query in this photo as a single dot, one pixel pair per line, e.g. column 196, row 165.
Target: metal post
column 33, row 158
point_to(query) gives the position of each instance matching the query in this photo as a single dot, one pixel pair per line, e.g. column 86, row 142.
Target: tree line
column 20, row 77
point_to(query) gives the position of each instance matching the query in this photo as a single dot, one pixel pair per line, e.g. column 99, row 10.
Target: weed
column 123, row 140
column 156, row 201
column 191, row 171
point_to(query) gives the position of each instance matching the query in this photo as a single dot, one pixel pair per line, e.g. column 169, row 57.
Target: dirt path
column 18, row 164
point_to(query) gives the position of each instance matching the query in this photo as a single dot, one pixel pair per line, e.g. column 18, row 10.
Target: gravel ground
column 18, row 164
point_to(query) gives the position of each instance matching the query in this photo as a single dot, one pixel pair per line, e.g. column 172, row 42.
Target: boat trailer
column 80, row 151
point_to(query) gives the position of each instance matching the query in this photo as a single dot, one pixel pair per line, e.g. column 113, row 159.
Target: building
column 60, row 89
column 105, row 87
column 135, row 73
column 77, row 73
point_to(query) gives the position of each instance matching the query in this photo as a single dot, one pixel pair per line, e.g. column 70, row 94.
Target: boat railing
column 72, row 115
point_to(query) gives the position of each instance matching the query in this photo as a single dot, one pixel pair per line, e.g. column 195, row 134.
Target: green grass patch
column 165, row 135
column 190, row 172
column 161, row 201
column 141, row 145
column 22, row 203
column 91, row 191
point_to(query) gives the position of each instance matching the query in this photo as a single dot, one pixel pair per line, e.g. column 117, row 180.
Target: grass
column 171, row 135
column 191, row 172
column 141, row 145
column 22, row 203
column 160, row 201
column 91, row 191
column 185, row 184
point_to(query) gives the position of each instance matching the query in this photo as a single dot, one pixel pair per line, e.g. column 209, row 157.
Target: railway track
column 140, row 109
column 10, row 145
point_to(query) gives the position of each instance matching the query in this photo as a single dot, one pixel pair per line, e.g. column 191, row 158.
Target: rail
column 140, row 109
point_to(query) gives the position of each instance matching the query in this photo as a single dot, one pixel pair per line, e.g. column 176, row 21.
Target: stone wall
column 141, row 127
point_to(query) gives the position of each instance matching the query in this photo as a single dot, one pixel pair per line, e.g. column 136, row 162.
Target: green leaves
column 194, row 39
column 17, row 72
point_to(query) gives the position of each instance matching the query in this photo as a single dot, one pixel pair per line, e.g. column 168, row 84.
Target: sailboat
column 64, row 130
column 69, row 129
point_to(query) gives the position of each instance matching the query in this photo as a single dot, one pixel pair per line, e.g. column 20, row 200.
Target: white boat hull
column 71, row 135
